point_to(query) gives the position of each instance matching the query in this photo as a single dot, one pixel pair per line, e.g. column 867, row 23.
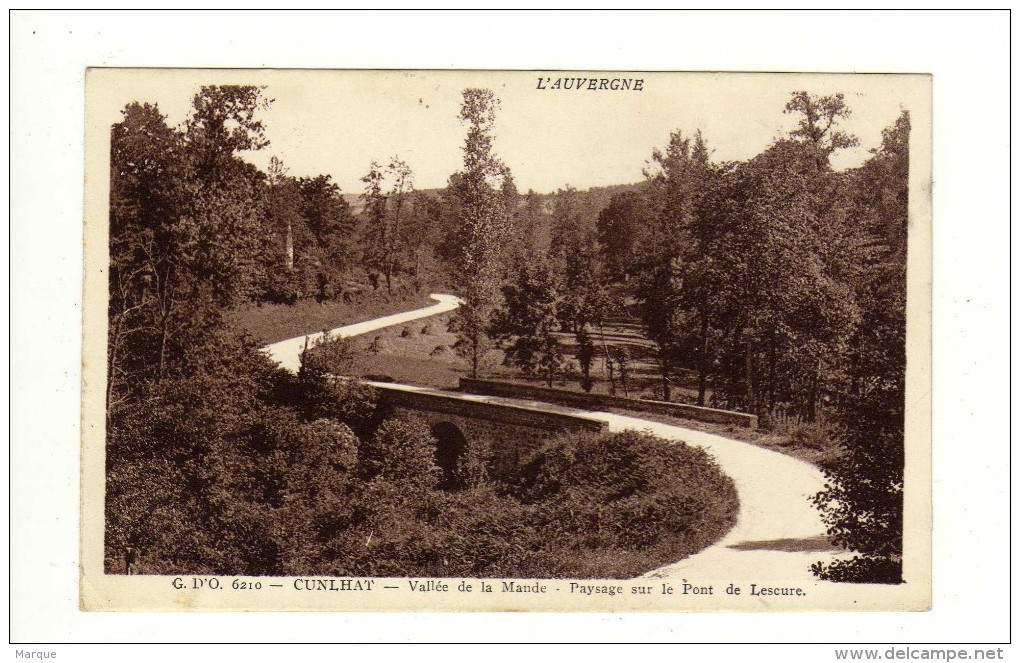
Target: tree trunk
column 749, row 376
column 703, row 361
column 586, row 357
column 164, row 333
column 813, row 393
column 605, row 350
column 664, row 370
column 111, row 370
column 290, row 249
column 772, row 370
column 612, row 378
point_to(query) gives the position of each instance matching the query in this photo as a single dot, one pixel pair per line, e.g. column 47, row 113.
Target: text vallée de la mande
column 683, row 588
column 590, row 84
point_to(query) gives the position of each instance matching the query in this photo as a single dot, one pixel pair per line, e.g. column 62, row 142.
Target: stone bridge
column 475, row 433
column 497, row 432
column 480, row 433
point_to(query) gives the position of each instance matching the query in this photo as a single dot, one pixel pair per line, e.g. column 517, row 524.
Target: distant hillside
column 589, row 203
column 594, row 200
column 357, row 204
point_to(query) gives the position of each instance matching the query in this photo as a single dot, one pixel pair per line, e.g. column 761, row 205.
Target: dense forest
column 777, row 285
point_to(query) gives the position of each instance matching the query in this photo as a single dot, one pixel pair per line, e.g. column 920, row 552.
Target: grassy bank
column 270, row 323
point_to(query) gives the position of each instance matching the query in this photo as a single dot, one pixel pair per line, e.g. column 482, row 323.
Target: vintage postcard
column 414, row 340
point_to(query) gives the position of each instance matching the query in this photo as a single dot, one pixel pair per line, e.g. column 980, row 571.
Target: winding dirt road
column 778, row 534
column 288, row 353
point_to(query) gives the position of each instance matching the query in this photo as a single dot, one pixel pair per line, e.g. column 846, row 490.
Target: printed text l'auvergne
column 582, row 84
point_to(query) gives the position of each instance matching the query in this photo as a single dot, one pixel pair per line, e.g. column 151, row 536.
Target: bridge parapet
column 590, row 401
column 511, row 415
column 499, row 436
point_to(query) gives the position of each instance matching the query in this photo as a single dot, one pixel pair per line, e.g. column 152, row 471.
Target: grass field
column 270, row 323
column 421, row 353
column 405, row 353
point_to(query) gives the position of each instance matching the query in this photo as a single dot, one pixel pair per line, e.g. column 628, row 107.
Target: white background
column 969, row 57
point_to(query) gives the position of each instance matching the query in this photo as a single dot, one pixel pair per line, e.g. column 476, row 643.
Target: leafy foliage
column 387, row 249
column 623, row 492
column 623, row 233
column 329, row 355
column 775, row 285
column 863, row 499
column 781, row 284
column 527, row 322
column 481, row 198
column 402, row 452
column 819, row 117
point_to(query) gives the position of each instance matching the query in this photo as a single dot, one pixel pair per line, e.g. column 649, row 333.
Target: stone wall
column 600, row 401
column 499, row 437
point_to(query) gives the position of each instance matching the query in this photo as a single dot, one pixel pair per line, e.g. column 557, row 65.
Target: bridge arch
column 451, row 451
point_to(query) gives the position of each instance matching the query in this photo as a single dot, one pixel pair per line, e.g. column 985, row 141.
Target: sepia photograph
column 674, row 328
column 506, row 340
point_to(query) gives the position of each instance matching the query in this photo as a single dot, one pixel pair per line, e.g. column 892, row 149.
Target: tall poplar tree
column 481, row 195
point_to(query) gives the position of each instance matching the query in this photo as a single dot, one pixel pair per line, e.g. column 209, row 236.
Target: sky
column 337, row 122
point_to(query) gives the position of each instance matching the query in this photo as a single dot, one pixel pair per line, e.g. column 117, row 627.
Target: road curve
column 288, row 353
column 778, row 533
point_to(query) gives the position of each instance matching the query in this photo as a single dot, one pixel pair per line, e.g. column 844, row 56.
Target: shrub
column 328, row 355
column 402, row 451
column 626, row 491
column 192, row 478
column 321, row 492
column 318, row 396
column 881, row 570
column 379, row 344
column 442, row 352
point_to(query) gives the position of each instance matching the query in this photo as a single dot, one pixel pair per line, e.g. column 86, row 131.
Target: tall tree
column 395, row 248
column 819, row 119
column 570, row 228
column 529, row 226
column 584, row 303
column 787, row 318
column 387, row 198
column 224, row 122
column 862, row 503
column 677, row 179
column 421, row 235
column 374, row 214
column 148, row 202
column 330, row 242
column 526, row 324
column 293, row 244
column 480, row 194
column 234, row 244
column 623, row 230
column 282, row 208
